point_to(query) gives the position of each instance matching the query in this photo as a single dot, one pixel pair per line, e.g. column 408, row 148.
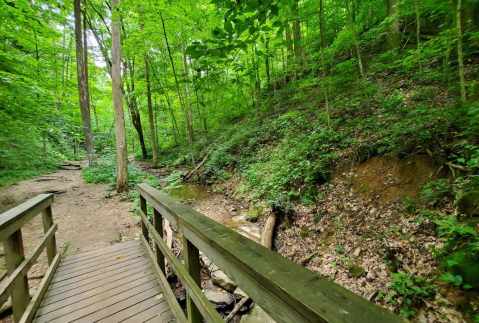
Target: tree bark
column 323, row 45
column 268, row 231
column 363, row 78
column 418, row 32
column 392, row 36
column 189, row 116
column 120, row 130
column 82, row 75
column 154, row 148
column 133, row 107
column 459, row 52
column 298, row 42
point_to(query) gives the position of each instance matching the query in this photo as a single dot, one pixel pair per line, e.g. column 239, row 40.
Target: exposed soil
column 86, row 215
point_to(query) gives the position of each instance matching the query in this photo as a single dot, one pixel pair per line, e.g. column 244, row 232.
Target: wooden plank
column 81, row 281
column 92, row 304
column 140, row 312
column 191, row 255
column 47, row 219
column 98, row 253
column 155, row 311
column 121, row 277
column 74, row 295
column 14, row 256
column 207, row 310
column 163, row 318
column 6, row 289
column 117, row 307
column 37, row 298
column 97, row 270
column 144, row 208
column 106, row 261
column 165, row 286
column 13, row 219
column 158, row 223
column 287, row 291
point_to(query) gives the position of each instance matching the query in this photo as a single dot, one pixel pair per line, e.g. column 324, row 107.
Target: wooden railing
column 287, row 291
column 16, row 285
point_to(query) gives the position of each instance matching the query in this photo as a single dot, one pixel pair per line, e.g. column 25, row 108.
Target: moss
column 304, row 232
column 254, row 214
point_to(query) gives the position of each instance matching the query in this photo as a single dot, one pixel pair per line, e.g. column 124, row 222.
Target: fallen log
column 199, row 165
column 268, row 231
column 236, row 309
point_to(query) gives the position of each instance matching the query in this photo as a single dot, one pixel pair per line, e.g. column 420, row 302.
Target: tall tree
column 189, row 116
column 323, row 66
column 460, row 58
column 120, row 129
column 392, row 36
column 82, row 75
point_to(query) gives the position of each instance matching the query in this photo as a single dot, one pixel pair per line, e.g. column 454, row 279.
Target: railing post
column 144, row 208
column 192, row 265
column 158, row 223
column 14, row 255
column 47, row 217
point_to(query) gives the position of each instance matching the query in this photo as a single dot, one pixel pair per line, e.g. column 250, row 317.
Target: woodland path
column 87, row 217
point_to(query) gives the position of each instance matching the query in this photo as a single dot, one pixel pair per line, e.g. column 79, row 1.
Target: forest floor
column 86, row 215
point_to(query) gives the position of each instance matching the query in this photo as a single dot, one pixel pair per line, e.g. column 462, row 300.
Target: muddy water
column 237, row 220
column 189, row 191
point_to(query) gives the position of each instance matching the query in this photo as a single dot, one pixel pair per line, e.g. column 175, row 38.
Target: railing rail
column 288, row 292
column 16, row 285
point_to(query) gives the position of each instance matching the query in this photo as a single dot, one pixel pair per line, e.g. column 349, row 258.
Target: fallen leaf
column 118, row 257
column 160, row 296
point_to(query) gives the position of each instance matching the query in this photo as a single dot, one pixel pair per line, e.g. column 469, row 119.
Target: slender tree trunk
column 258, row 83
column 177, row 86
column 82, row 75
column 268, row 76
column 363, row 78
column 392, row 36
column 189, row 116
column 459, row 52
column 298, row 42
column 418, row 32
column 120, row 130
column 323, row 45
column 150, row 114
column 133, row 107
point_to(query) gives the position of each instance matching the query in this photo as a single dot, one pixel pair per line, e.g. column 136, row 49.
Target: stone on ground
column 257, row 315
column 219, row 299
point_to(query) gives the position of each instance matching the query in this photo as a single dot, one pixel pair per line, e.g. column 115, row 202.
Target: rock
column 257, row 315
column 239, row 294
column 357, row 270
column 218, row 299
column 221, row 280
column 357, row 252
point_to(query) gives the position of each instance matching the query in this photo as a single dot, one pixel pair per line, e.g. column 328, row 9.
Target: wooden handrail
column 16, row 285
column 288, row 292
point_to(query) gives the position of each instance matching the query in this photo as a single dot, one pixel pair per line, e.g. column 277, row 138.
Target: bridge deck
column 113, row 284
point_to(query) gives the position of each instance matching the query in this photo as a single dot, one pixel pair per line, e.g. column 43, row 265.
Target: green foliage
column 305, row 232
column 254, row 214
column 410, row 287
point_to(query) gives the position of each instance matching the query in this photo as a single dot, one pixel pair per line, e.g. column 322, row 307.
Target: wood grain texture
column 168, row 293
column 207, row 310
column 193, row 267
column 13, row 219
column 287, row 291
column 121, row 290
column 37, row 298
column 47, row 219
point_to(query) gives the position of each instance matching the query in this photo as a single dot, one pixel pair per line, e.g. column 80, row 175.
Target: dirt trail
column 86, row 215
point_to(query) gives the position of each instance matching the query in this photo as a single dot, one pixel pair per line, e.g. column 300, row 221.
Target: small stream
column 237, row 221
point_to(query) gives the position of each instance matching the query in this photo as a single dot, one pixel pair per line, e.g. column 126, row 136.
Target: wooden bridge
column 101, row 286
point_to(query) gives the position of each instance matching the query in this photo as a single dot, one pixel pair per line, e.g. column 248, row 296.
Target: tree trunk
column 363, row 78
column 392, row 36
column 154, row 148
column 418, row 32
column 189, row 116
column 268, row 231
column 133, row 107
column 82, row 75
column 459, row 52
column 268, row 76
column 289, row 42
column 298, row 42
column 120, row 130
column 323, row 45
